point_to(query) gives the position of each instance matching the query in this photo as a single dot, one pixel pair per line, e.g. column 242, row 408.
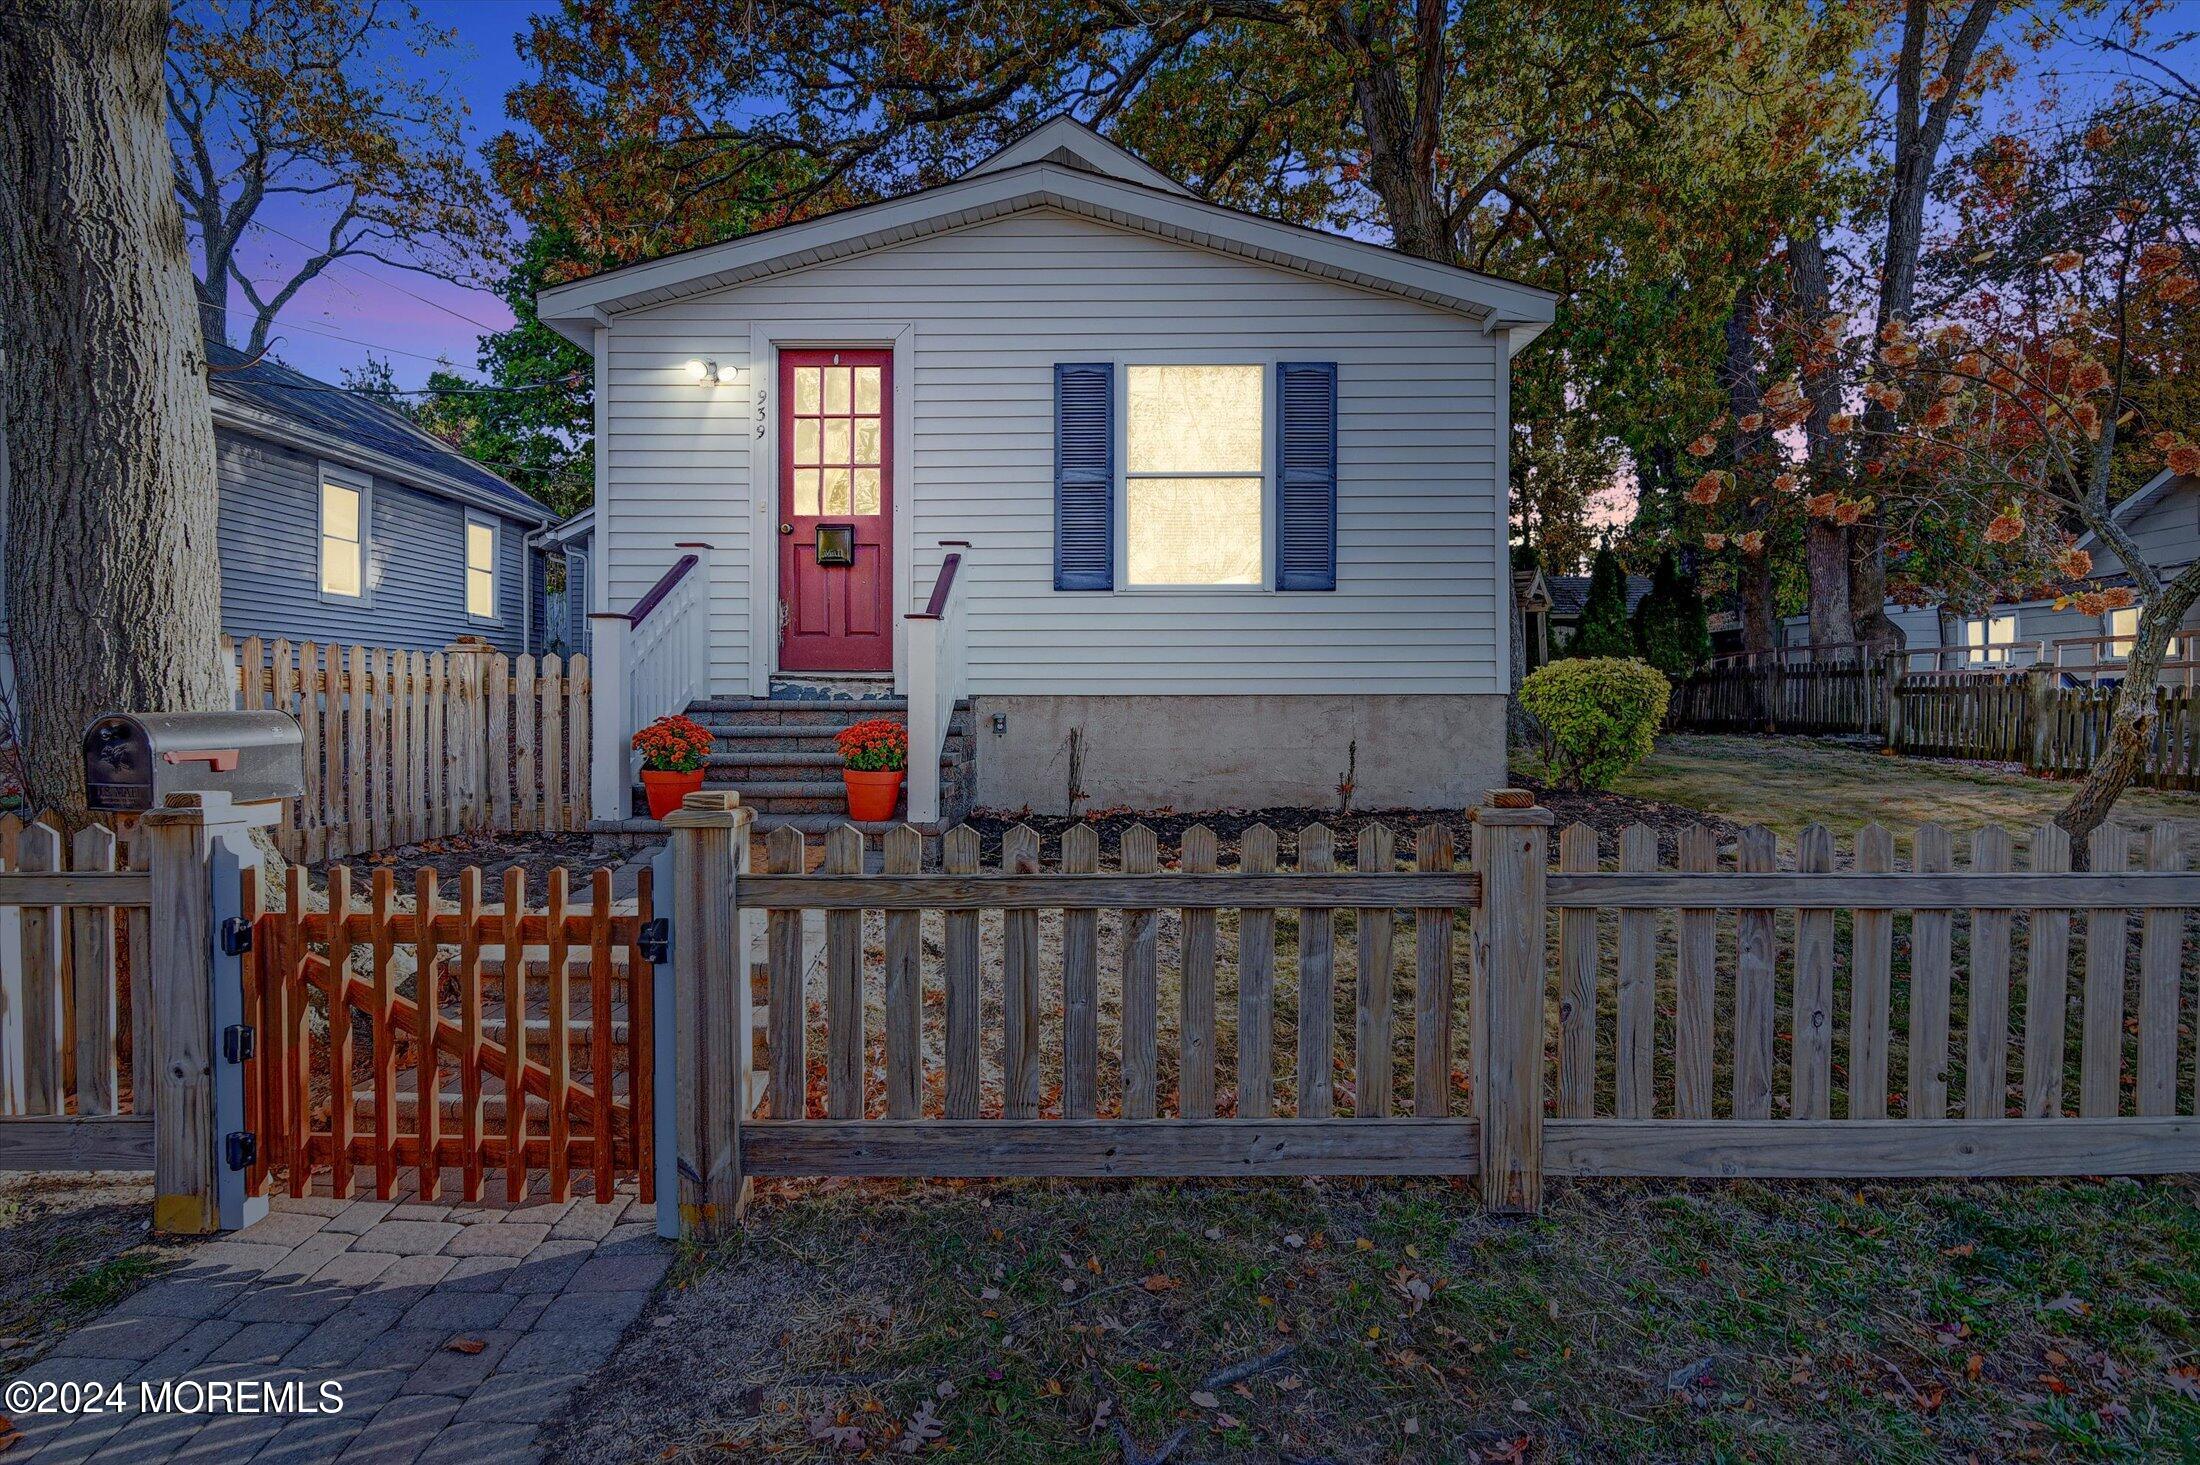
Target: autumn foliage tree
column 1999, row 435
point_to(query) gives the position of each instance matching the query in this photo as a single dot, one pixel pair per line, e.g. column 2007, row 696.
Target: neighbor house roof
column 1066, row 166
column 1569, row 593
column 272, row 400
column 2161, row 483
column 565, row 531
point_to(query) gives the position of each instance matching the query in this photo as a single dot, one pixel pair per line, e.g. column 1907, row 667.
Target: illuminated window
column 2123, row 630
column 343, row 540
column 1193, row 484
column 1989, row 638
column 481, row 569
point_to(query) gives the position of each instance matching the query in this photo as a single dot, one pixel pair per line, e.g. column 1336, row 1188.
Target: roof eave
column 228, row 412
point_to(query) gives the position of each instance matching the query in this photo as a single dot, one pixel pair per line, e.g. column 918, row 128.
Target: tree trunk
column 113, row 587
column 2131, row 724
column 1867, row 545
column 1825, row 544
column 1759, row 597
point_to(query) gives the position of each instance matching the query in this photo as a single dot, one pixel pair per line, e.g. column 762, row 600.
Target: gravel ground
column 70, row 1246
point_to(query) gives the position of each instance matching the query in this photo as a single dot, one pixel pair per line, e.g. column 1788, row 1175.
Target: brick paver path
column 371, row 1295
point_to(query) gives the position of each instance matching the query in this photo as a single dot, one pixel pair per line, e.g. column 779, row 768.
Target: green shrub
column 1672, row 632
column 1599, row 716
column 1604, row 630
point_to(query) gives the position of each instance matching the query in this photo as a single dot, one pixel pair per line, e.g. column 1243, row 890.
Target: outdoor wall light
column 703, row 371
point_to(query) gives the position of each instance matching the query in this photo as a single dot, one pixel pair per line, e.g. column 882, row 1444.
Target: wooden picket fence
column 75, row 1047
column 402, row 746
column 483, row 1037
column 1825, row 1019
column 1760, row 692
column 1962, row 714
column 2077, row 726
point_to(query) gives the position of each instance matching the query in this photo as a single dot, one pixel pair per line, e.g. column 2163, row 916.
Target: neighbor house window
column 2122, row 627
column 343, row 540
column 1193, row 483
column 1990, row 638
column 481, row 569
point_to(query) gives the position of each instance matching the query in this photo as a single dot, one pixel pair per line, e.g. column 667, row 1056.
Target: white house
column 2163, row 519
column 1224, row 498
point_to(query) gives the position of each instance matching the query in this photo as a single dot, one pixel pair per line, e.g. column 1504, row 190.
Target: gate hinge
column 243, row 1147
column 655, row 941
column 236, row 936
column 239, row 1042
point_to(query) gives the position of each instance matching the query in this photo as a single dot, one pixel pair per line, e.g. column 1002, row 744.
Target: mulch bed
column 1607, row 813
column 537, row 854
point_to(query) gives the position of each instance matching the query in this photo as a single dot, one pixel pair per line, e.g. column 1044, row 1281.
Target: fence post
column 197, row 848
column 2039, row 715
column 1891, row 669
column 608, row 794
column 1511, row 836
column 709, row 1013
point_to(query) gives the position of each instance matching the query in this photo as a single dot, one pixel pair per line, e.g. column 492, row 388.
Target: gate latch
column 655, row 941
column 239, row 1041
column 236, row 936
column 242, row 1148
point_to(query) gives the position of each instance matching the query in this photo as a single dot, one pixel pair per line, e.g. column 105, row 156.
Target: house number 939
column 761, row 394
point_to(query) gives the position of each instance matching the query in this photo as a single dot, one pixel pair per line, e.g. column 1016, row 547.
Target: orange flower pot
column 667, row 788
column 872, row 796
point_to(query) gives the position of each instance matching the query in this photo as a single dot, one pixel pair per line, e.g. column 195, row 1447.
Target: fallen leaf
column 467, row 1345
column 923, row 1428
column 1160, row 1283
column 1206, row 1400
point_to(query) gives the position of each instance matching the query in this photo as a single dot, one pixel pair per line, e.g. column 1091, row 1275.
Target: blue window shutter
column 1084, row 476
column 1306, row 475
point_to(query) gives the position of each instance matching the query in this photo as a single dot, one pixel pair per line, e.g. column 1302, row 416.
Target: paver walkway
column 371, row 1295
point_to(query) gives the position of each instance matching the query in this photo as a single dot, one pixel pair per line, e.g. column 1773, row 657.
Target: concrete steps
column 778, row 754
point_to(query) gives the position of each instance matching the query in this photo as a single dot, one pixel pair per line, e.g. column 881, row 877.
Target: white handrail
column 937, row 673
column 649, row 662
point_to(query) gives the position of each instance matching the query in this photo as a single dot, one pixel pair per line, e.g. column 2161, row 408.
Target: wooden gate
column 396, row 1036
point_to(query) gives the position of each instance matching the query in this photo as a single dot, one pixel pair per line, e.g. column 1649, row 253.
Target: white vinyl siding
column 993, row 308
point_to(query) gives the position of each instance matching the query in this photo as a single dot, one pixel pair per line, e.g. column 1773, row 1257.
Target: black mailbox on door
column 134, row 762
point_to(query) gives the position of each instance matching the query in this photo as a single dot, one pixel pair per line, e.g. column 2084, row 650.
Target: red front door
column 836, row 511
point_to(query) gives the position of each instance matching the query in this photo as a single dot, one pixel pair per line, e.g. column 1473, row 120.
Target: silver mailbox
column 134, row 762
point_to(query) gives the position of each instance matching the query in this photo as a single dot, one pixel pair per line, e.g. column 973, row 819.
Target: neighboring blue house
column 341, row 521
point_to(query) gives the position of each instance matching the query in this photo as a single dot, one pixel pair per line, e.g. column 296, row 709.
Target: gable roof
column 272, row 400
column 1072, row 144
column 1570, row 594
column 2162, row 483
column 1065, row 166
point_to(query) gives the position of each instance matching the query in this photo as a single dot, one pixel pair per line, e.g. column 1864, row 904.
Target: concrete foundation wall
column 1240, row 752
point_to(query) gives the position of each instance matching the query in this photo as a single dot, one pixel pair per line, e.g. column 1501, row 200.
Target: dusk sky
column 359, row 308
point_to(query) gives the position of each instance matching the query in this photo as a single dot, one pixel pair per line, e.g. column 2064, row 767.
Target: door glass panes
column 838, row 450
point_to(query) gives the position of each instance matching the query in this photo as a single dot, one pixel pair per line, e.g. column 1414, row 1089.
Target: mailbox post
column 202, row 782
column 198, row 848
